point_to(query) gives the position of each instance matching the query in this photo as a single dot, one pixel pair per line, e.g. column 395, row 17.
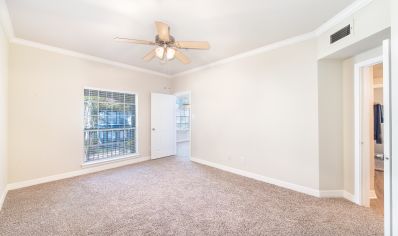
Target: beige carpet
column 173, row 196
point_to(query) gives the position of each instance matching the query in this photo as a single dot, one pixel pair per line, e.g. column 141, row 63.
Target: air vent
column 344, row 32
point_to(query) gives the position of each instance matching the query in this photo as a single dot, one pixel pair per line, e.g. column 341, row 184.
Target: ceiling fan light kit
column 167, row 47
column 165, row 53
column 160, row 52
column 171, row 52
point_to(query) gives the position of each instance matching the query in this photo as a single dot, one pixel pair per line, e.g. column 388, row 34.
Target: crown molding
column 62, row 51
column 346, row 12
column 256, row 51
column 5, row 20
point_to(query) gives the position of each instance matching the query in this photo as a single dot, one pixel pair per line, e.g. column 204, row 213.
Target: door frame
column 362, row 174
column 388, row 214
column 189, row 93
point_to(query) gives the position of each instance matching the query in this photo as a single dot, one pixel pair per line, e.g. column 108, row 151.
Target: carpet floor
column 174, row 196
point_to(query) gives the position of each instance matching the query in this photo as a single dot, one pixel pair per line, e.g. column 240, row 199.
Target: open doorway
column 369, row 135
column 183, row 124
column 372, row 136
column 377, row 143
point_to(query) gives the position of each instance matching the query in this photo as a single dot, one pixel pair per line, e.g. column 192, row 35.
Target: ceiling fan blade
column 150, row 55
column 136, row 41
column 163, row 30
column 181, row 57
column 192, row 44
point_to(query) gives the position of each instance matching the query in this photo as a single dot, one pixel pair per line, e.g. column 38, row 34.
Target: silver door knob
column 153, row 129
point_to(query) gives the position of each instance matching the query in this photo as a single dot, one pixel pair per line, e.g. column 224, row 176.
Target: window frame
column 116, row 158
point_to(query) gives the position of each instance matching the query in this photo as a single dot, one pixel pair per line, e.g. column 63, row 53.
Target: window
column 109, row 124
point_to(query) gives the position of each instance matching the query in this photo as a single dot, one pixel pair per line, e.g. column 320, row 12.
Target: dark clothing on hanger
column 378, row 120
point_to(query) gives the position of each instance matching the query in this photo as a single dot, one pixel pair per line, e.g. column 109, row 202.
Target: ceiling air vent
column 344, row 32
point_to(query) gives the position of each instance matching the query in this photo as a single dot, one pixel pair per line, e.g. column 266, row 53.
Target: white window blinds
column 109, row 124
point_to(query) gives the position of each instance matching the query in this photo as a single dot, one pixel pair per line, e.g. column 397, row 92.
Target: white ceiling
column 231, row 26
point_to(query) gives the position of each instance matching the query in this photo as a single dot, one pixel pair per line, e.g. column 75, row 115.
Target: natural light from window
column 109, row 125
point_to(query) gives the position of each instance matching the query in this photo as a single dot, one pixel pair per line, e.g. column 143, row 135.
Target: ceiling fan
column 166, row 47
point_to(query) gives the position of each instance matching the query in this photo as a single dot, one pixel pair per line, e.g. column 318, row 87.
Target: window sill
column 110, row 160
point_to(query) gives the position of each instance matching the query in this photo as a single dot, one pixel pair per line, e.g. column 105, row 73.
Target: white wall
column 331, row 173
column 3, row 112
column 336, row 104
column 246, row 94
column 46, row 108
column 348, row 116
column 259, row 114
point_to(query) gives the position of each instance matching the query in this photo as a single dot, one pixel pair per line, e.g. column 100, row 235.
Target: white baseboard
column 280, row 183
column 84, row 171
column 3, row 197
column 372, row 194
column 336, row 194
column 349, row 197
column 331, row 193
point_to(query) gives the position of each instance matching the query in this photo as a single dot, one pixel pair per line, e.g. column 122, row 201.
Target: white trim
column 3, row 197
column 109, row 160
column 389, row 204
column 280, row 183
column 342, row 15
column 372, row 194
column 359, row 172
column 71, row 174
column 346, row 12
column 295, row 187
column 263, row 49
column 336, row 194
column 349, row 196
column 5, row 20
column 71, row 53
column 331, row 193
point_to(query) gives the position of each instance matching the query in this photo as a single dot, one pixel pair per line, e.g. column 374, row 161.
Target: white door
column 163, row 125
column 387, row 137
column 367, row 130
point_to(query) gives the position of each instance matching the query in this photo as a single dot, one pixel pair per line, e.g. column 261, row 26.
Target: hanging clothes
column 378, row 120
